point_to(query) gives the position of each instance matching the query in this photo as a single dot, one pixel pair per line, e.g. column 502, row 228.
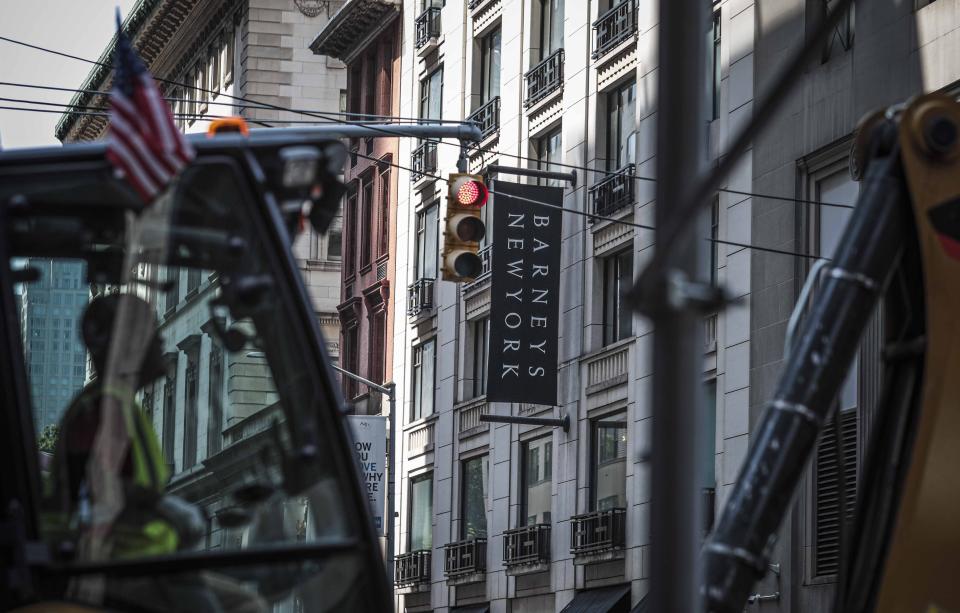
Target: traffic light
column 463, row 229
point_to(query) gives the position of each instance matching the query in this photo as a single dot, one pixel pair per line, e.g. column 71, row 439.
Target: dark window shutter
column 827, row 491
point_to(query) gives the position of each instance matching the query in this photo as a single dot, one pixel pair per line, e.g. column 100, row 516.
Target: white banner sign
column 370, row 445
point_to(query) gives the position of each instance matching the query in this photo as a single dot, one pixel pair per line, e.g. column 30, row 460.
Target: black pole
column 563, row 422
column 675, row 524
column 497, row 169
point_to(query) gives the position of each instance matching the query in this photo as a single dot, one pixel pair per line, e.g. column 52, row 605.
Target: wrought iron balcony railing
column 613, row 192
column 424, row 161
column 487, row 117
column 613, row 27
column 412, row 568
column 544, row 78
column 465, row 557
column 599, row 531
column 427, row 26
column 526, row 545
column 419, row 296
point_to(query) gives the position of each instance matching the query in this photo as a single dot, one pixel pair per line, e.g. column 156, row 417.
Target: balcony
column 468, row 420
column 544, row 78
column 612, row 193
column 412, row 568
column 613, row 27
column 484, row 270
column 423, row 161
column 529, row 545
column 487, row 118
column 598, row 532
column 465, row 558
column 420, row 297
column 427, row 27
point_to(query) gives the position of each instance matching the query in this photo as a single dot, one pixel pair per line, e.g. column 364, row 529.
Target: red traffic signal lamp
column 463, row 230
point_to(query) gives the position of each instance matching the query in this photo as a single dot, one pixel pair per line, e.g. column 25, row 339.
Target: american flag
column 143, row 143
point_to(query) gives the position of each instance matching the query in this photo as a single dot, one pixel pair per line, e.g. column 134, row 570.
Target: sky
column 80, row 28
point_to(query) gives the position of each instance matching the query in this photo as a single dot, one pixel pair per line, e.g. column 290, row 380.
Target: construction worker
column 149, row 522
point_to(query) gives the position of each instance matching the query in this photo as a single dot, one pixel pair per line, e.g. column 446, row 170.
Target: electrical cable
column 598, row 217
column 326, row 116
column 248, row 105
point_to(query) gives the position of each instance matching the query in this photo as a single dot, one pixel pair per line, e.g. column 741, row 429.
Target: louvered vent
column 827, row 502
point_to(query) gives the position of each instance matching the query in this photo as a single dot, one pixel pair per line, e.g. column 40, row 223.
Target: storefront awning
column 474, row 608
column 600, row 600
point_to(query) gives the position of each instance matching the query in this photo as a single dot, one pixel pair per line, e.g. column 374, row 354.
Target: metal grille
column 599, row 531
column 427, row 26
column 526, row 545
column 487, row 117
column 827, row 490
column 419, row 297
column 465, row 557
column 613, row 27
column 413, row 568
column 423, row 161
column 613, row 192
column 544, row 78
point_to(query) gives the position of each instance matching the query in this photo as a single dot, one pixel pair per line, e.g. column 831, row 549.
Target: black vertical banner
column 524, row 294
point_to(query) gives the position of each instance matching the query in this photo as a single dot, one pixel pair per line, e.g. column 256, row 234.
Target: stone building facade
column 214, row 407
column 365, row 35
column 532, row 518
column 880, row 55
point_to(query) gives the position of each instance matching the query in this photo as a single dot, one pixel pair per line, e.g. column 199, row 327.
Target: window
column 481, row 338
column 709, row 421
column 350, row 222
column 351, row 358
column 536, row 489
column 431, row 95
column 213, row 71
column 621, row 131
column 378, row 340
column 551, row 27
column 424, row 365
column 841, row 39
column 473, row 498
column 193, row 280
column 383, row 242
column 172, row 294
column 714, row 236
column 490, row 67
column 841, row 189
column 421, row 512
column 169, row 412
column 190, row 416
column 427, row 248
column 227, row 57
column 858, row 394
column 609, row 484
column 200, row 82
column 366, row 210
column 617, row 277
column 335, row 239
column 549, row 153
column 215, row 417
column 715, row 67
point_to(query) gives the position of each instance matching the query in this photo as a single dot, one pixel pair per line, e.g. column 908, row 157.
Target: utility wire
column 326, row 116
column 248, row 105
column 614, row 220
column 104, row 112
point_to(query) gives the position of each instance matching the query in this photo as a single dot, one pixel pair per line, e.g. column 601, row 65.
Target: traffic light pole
column 677, row 395
column 390, row 390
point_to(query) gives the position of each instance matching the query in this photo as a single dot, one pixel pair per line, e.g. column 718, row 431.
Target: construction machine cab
column 215, row 400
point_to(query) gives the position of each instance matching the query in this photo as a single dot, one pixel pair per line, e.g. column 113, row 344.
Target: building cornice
column 152, row 26
column 354, row 26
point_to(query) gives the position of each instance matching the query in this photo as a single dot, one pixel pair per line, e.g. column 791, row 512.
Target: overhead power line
column 328, row 117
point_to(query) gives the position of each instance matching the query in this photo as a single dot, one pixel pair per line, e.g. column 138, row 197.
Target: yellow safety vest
column 137, row 532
